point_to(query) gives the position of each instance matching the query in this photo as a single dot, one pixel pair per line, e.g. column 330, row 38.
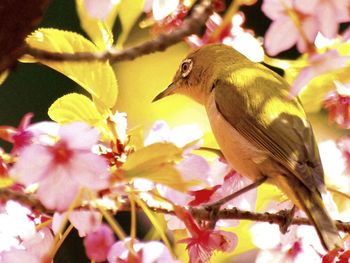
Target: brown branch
column 191, row 25
column 201, row 213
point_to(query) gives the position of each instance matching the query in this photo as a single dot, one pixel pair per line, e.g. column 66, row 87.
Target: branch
column 201, row 213
column 191, row 25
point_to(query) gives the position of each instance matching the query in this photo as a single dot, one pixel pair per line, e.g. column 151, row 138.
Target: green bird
column 262, row 132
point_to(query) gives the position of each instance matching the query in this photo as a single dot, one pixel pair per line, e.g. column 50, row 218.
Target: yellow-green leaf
column 97, row 78
column 156, row 163
column 128, row 14
column 99, row 31
column 153, row 155
column 74, row 107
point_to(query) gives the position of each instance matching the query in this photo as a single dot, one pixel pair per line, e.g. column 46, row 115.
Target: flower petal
column 90, row 170
column 58, row 190
column 32, row 165
column 281, row 35
column 79, row 135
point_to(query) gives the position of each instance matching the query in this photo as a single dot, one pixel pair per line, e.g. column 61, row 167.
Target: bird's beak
column 168, row 91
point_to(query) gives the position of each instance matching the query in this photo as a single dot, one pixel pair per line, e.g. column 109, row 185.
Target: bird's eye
column 186, row 67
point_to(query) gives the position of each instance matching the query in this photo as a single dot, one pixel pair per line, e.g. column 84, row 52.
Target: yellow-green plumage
column 260, row 130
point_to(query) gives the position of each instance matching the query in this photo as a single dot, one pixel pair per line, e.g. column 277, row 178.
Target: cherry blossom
column 15, row 225
column 203, row 242
column 328, row 13
column 145, row 252
column 31, row 250
column 233, row 35
column 97, row 243
column 299, row 244
column 338, row 105
column 318, row 64
column 288, row 27
column 83, row 221
column 63, row 167
column 20, row 136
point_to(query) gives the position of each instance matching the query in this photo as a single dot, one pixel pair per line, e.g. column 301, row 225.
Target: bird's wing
column 255, row 102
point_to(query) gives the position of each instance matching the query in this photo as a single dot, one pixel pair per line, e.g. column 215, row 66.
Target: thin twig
column 191, row 25
column 200, row 213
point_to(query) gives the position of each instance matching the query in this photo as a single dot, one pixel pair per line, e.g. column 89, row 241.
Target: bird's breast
column 243, row 156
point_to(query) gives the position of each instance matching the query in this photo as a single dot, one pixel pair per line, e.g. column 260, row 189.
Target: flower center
column 61, row 152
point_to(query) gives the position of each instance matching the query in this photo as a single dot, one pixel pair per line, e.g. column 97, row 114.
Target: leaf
column 156, row 163
column 97, row 78
column 128, row 14
column 99, row 31
column 74, row 107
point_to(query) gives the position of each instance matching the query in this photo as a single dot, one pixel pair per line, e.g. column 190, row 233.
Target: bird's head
column 199, row 70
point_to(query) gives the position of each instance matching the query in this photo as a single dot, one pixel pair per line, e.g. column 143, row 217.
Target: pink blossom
column 98, row 243
column 203, row 242
column 328, row 13
column 299, row 244
column 15, row 225
column 284, row 31
column 146, row 252
column 318, row 64
column 31, row 250
column 62, row 167
column 20, row 136
column 233, row 35
column 344, row 146
column 99, row 9
column 83, row 221
column 337, row 103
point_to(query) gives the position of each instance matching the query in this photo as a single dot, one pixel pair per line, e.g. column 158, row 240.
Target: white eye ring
column 186, row 67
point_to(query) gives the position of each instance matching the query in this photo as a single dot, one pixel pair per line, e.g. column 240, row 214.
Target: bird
column 261, row 130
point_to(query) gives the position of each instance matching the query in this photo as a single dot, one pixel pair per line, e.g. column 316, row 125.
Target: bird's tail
column 312, row 204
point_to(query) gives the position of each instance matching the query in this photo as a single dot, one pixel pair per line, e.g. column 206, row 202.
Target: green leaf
column 74, row 107
column 128, row 14
column 153, row 155
column 156, row 163
column 100, row 32
column 97, row 78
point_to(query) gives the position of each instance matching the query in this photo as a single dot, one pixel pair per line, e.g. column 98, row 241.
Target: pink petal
column 193, row 167
column 301, row 81
column 119, row 251
column 309, row 8
column 32, row 165
column 274, row 9
column 18, row 256
column 85, row 221
column 79, row 135
column 281, row 35
column 327, row 19
column 310, row 28
column 39, row 245
column 90, row 170
column 154, row 252
column 98, row 243
column 58, row 190
column 98, row 8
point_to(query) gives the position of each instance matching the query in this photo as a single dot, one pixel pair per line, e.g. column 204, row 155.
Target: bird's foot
column 288, row 216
